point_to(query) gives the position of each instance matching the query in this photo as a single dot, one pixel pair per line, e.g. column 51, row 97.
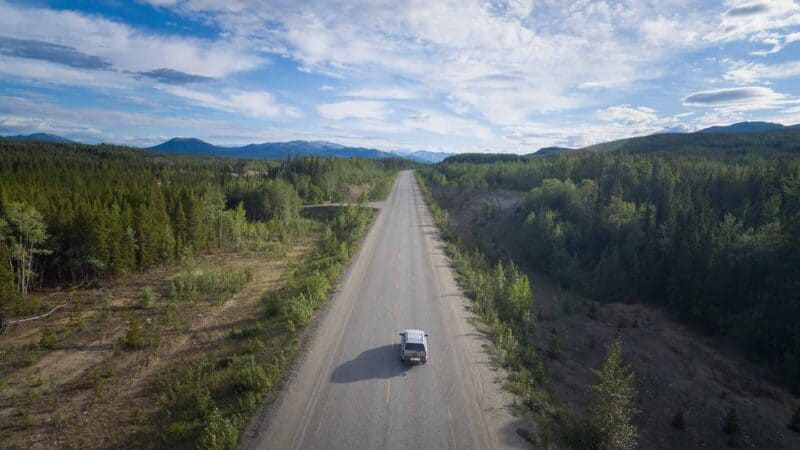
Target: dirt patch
column 87, row 392
column 677, row 368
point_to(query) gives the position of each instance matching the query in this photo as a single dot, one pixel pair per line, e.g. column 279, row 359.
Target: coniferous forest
column 712, row 232
column 77, row 213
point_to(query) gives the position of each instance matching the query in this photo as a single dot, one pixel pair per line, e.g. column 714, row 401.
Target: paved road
column 351, row 391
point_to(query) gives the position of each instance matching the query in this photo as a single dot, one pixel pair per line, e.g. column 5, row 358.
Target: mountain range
column 39, row 137
column 281, row 150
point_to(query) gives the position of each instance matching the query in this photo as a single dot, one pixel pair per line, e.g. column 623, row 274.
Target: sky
column 461, row 76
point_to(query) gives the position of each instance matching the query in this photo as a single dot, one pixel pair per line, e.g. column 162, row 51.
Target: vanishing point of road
column 351, row 391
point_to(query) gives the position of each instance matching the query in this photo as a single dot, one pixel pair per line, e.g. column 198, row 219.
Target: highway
column 351, row 391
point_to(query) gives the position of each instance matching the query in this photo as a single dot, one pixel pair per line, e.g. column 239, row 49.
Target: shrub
column 137, row 337
column 246, row 333
column 170, row 317
column 219, row 433
column 147, row 298
column 553, row 348
column 48, row 339
column 249, row 378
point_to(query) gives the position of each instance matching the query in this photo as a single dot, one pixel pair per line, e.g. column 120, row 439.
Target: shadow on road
column 376, row 363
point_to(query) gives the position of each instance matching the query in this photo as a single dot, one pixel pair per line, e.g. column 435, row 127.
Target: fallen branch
column 28, row 319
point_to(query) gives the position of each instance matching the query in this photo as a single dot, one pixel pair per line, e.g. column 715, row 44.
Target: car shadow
column 376, row 363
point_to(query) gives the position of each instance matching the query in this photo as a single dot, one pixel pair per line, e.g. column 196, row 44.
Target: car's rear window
column 411, row 346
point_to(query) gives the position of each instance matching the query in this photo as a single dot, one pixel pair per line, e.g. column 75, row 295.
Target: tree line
column 73, row 213
column 713, row 234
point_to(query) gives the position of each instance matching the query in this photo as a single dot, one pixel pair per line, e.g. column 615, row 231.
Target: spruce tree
column 612, row 407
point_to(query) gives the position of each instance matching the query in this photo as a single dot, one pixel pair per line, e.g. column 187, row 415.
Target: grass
column 208, row 403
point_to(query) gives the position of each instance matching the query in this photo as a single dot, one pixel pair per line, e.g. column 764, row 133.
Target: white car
column 414, row 346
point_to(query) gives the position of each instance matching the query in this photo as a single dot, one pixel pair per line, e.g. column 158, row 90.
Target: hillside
column 784, row 140
column 744, row 127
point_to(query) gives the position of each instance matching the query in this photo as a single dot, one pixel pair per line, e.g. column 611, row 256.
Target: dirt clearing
column 89, row 375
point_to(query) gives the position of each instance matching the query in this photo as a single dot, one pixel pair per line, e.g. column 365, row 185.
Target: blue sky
column 467, row 75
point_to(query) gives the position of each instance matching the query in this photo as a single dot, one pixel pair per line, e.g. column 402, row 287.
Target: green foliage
column 9, row 295
column 215, row 285
column 612, row 408
column 707, row 225
column 147, row 298
column 110, row 211
column 24, row 233
column 219, row 433
column 250, row 378
column 138, row 337
column 48, row 339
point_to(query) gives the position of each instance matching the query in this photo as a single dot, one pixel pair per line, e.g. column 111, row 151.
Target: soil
column 86, row 392
column 677, row 367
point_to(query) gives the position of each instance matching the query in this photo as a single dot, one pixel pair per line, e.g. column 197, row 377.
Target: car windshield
column 414, row 347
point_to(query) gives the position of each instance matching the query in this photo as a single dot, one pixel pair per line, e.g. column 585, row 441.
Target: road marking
column 388, row 391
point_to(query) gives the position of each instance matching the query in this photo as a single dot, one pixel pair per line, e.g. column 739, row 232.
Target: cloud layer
column 470, row 75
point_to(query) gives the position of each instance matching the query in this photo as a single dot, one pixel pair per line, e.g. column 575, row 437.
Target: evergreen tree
column 612, row 407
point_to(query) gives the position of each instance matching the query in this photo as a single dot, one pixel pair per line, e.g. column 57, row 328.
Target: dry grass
column 87, row 390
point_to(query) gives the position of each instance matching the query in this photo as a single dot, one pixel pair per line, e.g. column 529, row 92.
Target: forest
column 74, row 213
column 712, row 232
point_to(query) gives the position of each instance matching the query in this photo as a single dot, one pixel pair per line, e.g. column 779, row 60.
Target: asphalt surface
column 351, row 391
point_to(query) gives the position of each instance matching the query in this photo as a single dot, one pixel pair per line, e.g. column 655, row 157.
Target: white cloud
column 350, row 109
column 255, row 103
column 126, row 48
column 770, row 22
column 444, row 124
column 505, row 61
column 746, row 73
column 740, row 98
column 382, row 92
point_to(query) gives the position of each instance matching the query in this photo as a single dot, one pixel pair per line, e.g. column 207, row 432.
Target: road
column 351, row 391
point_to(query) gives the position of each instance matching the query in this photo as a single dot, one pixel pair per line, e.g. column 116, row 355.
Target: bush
column 137, row 337
column 250, row 378
column 147, row 298
column 219, row 433
column 246, row 333
column 48, row 339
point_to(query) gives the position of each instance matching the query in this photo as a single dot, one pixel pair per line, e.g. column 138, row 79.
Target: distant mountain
column 424, row 156
column 39, row 137
column 186, row 145
column 745, row 127
column 281, row 150
column 269, row 150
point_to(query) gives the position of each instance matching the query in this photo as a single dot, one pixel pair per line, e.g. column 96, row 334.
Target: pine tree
column 612, row 407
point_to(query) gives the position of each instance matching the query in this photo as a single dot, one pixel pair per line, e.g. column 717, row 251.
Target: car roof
column 414, row 335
